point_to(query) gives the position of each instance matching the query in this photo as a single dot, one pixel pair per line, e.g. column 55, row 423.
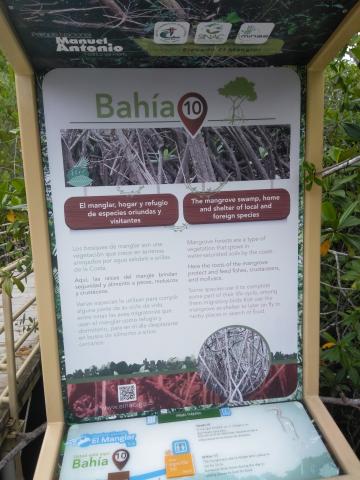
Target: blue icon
column 151, row 420
column 225, row 412
column 83, row 441
column 180, row 446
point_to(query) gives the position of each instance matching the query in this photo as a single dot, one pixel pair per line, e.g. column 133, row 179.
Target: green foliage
column 310, row 175
column 340, row 247
column 352, row 130
column 9, row 131
column 342, row 114
column 14, row 230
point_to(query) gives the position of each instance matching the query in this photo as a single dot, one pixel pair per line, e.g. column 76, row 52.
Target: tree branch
column 343, row 401
column 338, row 167
column 344, row 254
column 26, row 438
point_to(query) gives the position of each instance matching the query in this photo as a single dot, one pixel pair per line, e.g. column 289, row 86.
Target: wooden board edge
column 334, row 438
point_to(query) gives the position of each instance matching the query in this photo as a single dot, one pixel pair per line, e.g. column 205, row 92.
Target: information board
column 174, row 203
column 238, row 444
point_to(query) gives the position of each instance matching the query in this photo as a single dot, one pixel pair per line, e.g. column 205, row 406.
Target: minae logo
column 87, row 45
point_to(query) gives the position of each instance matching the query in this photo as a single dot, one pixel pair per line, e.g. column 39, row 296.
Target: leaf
column 332, row 354
column 341, row 181
column 18, row 184
column 328, row 213
column 310, row 175
column 21, row 207
column 355, row 265
column 351, row 275
column 351, row 241
column 354, row 375
column 11, row 216
column 350, row 222
column 349, row 210
column 352, row 130
column 328, row 345
column 335, row 153
column 263, row 152
column 7, row 286
column 356, row 52
column 18, row 283
column 338, row 193
column 340, row 375
column 329, row 337
column 324, row 247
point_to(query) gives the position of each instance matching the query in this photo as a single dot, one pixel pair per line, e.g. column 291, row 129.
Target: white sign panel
column 175, row 203
column 239, row 446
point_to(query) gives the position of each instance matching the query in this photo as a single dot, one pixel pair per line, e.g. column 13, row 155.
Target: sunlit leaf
column 335, row 153
column 324, row 248
column 11, row 216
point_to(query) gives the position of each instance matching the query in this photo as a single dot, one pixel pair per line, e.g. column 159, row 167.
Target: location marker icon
column 192, row 109
column 120, row 458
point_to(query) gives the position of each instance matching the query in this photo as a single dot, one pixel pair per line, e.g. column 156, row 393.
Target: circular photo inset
column 234, row 361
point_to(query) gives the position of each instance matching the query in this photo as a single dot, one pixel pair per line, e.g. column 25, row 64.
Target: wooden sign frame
column 42, row 263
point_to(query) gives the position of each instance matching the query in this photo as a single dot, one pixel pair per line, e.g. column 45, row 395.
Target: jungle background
column 340, row 244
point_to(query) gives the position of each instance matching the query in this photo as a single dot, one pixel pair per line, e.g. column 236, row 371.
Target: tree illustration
column 238, row 91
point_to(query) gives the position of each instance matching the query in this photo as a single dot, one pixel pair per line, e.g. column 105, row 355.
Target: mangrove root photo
column 147, row 156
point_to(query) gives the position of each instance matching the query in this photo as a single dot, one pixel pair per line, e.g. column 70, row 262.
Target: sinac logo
column 213, row 29
column 212, row 32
